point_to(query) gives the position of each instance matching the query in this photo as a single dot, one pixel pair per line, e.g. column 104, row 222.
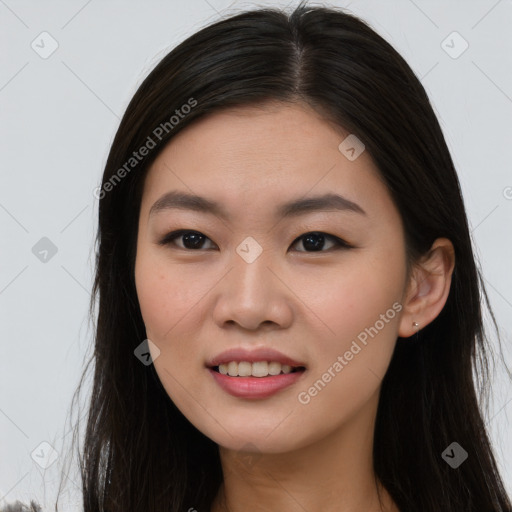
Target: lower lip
column 255, row 387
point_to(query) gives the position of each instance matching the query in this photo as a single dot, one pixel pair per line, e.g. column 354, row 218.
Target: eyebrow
column 186, row 201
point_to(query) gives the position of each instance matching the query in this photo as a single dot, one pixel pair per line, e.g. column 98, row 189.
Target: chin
column 256, row 437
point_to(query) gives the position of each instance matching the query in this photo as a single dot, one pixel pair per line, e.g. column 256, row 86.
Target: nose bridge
column 252, row 293
column 251, row 273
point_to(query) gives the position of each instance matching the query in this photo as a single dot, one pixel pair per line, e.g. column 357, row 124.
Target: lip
column 255, row 387
column 258, row 354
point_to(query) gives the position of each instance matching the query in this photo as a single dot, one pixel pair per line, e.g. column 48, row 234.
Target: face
column 321, row 285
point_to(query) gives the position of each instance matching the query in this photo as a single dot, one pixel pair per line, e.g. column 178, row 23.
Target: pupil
column 312, row 241
column 195, row 238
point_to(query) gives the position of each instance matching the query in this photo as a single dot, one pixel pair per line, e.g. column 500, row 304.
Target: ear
column 428, row 288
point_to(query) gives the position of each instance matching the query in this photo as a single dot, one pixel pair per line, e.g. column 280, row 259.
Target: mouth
column 255, row 380
column 255, row 374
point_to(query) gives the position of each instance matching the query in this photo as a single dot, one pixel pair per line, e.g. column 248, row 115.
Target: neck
column 333, row 473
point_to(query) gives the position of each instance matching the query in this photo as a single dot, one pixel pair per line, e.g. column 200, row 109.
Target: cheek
column 170, row 300
column 166, row 294
column 360, row 310
column 352, row 298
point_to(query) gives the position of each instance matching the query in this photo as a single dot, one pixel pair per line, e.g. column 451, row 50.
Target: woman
column 289, row 305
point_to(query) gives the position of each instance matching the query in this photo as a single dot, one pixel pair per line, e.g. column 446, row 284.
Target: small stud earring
column 415, row 324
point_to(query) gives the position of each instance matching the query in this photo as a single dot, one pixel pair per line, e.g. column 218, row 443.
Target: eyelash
column 170, row 237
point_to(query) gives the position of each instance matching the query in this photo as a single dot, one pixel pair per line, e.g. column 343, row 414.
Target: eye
column 315, row 240
column 192, row 239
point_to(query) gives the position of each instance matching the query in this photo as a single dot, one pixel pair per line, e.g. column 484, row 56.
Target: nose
column 253, row 294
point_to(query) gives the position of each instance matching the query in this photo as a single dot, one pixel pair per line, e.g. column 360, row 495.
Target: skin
column 310, row 305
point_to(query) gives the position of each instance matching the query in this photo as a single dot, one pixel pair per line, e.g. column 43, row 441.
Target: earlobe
column 428, row 288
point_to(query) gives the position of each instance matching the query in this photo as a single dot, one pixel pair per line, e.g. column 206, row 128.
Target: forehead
column 260, row 136
column 263, row 155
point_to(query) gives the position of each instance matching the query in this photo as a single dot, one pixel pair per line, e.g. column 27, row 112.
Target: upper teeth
column 256, row 369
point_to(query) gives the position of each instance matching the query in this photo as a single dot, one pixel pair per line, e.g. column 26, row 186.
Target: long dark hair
column 139, row 452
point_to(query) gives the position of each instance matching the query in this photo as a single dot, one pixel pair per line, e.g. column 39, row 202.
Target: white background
column 58, row 119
